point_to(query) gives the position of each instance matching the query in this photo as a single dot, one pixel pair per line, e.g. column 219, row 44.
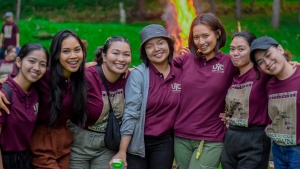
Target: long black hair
column 77, row 79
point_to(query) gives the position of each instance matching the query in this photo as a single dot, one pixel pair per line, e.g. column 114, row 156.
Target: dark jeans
column 286, row 157
column 17, row 160
column 159, row 154
column 246, row 148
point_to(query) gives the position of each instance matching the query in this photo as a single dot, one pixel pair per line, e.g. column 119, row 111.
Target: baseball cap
column 9, row 14
column 152, row 31
column 262, row 43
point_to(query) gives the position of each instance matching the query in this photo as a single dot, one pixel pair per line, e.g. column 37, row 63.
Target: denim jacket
column 136, row 95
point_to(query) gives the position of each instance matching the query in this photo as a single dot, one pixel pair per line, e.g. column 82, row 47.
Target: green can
column 117, row 164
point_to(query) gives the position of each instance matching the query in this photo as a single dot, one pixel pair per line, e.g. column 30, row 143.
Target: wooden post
column 238, row 9
column 299, row 13
column 18, row 10
column 275, row 13
column 122, row 13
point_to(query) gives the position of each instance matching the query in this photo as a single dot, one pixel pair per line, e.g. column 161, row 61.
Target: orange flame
column 178, row 16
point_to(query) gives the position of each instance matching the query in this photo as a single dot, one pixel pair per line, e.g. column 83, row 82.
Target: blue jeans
column 286, row 157
column 159, row 154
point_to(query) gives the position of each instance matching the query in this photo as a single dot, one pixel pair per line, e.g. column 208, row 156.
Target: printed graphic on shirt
column 283, row 112
column 176, row 87
column 5, row 69
column 118, row 103
column 8, row 31
column 218, row 68
column 36, row 108
column 237, row 103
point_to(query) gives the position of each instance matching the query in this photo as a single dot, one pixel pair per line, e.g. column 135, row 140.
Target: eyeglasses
column 160, row 44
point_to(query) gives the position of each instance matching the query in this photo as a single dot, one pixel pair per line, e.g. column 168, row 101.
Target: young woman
column 206, row 76
column 88, row 149
column 152, row 102
column 283, row 101
column 62, row 97
column 246, row 145
column 8, row 65
column 16, row 128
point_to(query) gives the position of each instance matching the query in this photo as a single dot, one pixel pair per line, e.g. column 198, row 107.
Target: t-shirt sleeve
column 179, row 60
column 16, row 28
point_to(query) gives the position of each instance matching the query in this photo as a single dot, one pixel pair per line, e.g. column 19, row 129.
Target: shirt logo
column 8, row 31
column 36, row 109
column 176, row 87
column 218, row 68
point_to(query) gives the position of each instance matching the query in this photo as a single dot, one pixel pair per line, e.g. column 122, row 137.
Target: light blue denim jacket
column 136, row 95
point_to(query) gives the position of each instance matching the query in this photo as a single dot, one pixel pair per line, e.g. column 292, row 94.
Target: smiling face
column 33, row 66
column 240, row 52
column 205, row 39
column 11, row 55
column 9, row 19
column 71, row 56
column 157, row 50
column 271, row 61
column 117, row 58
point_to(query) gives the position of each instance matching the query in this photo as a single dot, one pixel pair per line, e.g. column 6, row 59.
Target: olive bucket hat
column 153, row 31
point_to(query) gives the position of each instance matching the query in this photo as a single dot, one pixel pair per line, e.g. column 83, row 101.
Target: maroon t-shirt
column 284, row 109
column 204, row 87
column 9, row 31
column 163, row 101
column 97, row 100
column 247, row 100
column 44, row 90
column 17, row 127
column 7, row 67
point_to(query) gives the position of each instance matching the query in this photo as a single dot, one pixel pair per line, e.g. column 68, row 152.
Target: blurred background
column 96, row 20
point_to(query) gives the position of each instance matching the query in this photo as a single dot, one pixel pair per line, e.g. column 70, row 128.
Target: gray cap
column 152, row 31
column 9, row 14
column 262, row 43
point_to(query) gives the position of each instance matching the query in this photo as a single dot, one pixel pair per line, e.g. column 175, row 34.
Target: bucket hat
column 152, row 31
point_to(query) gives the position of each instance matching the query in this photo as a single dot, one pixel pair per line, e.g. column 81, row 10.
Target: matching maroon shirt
column 284, row 109
column 204, row 87
column 247, row 100
column 18, row 126
column 9, row 31
column 44, row 90
column 163, row 101
column 7, row 67
column 97, row 100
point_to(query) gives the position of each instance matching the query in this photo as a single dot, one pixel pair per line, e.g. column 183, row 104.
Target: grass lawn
column 96, row 33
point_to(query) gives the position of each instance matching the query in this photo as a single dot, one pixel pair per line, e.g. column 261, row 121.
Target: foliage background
column 96, row 20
